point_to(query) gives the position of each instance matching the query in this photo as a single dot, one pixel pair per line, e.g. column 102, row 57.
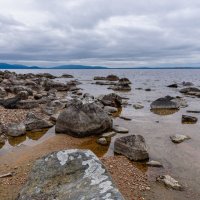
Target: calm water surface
column 181, row 161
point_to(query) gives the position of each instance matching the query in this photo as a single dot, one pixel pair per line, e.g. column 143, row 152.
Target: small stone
column 109, row 134
column 138, row 106
column 189, row 119
column 120, row 129
column 154, row 163
column 125, row 118
column 102, row 141
column 179, row 138
column 169, row 182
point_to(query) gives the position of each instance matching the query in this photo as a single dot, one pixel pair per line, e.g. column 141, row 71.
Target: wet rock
column 108, row 134
column 19, row 88
column 190, row 90
column 102, row 141
column 111, row 99
column 189, row 119
column 67, row 76
column 187, row 84
column 174, row 85
column 15, row 129
column 148, row 89
column 112, row 78
column 169, row 182
column 132, row 146
column 193, row 111
column 105, row 83
column 182, row 103
column 82, row 120
column 50, row 84
column 10, row 103
column 154, row 163
column 45, row 75
column 32, row 122
column 27, row 104
column 164, row 103
column 110, row 109
column 122, row 85
column 138, row 106
column 54, row 117
column 119, row 129
column 125, row 117
column 179, row 138
column 69, row 174
column 99, row 78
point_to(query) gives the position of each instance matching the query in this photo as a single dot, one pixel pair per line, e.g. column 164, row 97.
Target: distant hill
column 9, row 66
column 78, row 67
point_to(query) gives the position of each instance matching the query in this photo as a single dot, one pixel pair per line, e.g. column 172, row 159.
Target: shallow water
column 181, row 161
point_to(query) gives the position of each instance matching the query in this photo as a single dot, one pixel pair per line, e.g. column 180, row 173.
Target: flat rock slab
column 132, row 146
column 170, row 182
column 69, row 175
column 154, row 163
column 119, row 129
column 179, row 138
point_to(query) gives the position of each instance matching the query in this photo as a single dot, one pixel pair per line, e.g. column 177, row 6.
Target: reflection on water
column 29, row 136
column 164, row 111
column 92, row 145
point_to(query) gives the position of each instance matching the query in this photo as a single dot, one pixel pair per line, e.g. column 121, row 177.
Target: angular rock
column 169, row 182
column 15, row 129
column 164, row 103
column 132, row 146
column 111, row 99
column 82, row 120
column 179, row 138
column 138, row 106
column 119, row 129
column 189, row 119
column 69, row 175
column 32, row 122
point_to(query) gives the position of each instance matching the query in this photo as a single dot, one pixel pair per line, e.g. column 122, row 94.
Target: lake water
column 181, row 161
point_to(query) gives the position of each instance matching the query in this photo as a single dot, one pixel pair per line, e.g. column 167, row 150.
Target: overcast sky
column 100, row 32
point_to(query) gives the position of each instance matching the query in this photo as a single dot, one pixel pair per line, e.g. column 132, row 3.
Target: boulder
column 164, row 103
column 10, row 103
column 187, row 84
column 111, row 99
column 170, row 182
column 27, row 104
column 23, row 95
column 132, row 146
column 15, row 129
column 189, row 119
column 32, row 122
column 112, row 78
column 50, row 84
column 69, row 175
column 179, row 138
column 82, row 120
column 190, row 91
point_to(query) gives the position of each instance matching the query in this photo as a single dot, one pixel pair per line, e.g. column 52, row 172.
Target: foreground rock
column 170, row 182
column 10, row 103
column 69, row 175
column 189, row 119
column 15, row 129
column 179, row 138
column 165, row 103
column 32, row 122
column 80, row 120
column 132, row 146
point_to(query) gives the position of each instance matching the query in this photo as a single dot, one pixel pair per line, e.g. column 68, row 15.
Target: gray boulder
column 132, row 146
column 165, row 103
column 82, row 120
column 32, row 122
column 10, row 103
column 15, row 129
column 69, row 175
column 111, row 99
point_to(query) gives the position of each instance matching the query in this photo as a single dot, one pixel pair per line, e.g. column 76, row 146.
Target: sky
column 115, row 33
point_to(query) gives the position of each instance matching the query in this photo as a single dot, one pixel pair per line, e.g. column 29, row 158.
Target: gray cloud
column 100, row 32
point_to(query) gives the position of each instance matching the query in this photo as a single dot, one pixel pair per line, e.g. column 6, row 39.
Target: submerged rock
column 132, row 146
column 189, row 119
column 69, row 175
column 10, row 103
column 164, row 103
column 169, row 182
column 154, row 163
column 179, row 138
column 15, row 129
column 82, row 120
column 32, row 122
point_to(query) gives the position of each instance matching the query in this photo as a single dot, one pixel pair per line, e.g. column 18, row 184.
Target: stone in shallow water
column 179, row 138
column 189, row 119
column 132, row 146
column 69, row 175
column 119, row 129
column 154, row 163
column 15, row 129
column 169, row 182
column 125, row 117
column 138, row 106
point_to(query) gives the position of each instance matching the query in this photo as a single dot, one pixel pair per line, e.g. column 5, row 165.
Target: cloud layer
column 100, row 32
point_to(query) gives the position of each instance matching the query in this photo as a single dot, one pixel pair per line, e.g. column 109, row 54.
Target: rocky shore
column 38, row 102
